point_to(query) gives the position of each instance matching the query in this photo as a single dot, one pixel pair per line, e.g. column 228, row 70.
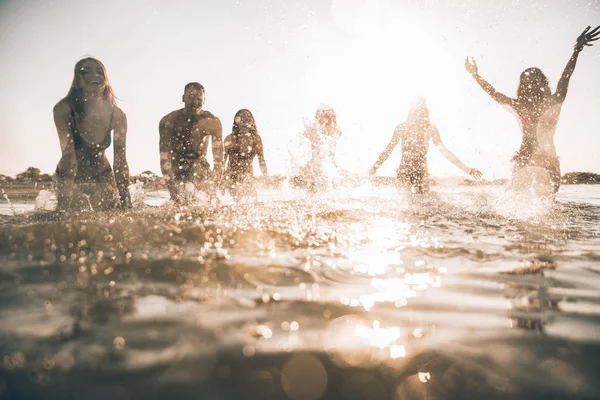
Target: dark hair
column 330, row 113
column 194, row 85
column 524, row 90
column 75, row 96
column 235, row 130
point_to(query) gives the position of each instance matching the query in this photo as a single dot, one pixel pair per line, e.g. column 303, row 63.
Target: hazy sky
column 281, row 59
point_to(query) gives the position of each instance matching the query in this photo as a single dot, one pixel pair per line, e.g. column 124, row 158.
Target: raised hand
column 471, row 66
column 587, row 37
column 475, row 173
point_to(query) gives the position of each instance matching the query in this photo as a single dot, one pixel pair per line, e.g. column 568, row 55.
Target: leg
column 103, row 192
column 202, row 177
column 69, row 197
column 68, row 193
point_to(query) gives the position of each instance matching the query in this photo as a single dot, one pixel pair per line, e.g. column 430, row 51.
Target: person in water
column 415, row 134
column 323, row 136
column 241, row 146
column 84, row 120
column 184, row 136
column 538, row 110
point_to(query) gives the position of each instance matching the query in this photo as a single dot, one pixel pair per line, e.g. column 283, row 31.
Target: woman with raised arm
column 84, row 120
column 241, row 146
column 538, row 110
column 415, row 134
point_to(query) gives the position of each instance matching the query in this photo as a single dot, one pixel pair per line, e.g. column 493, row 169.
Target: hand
column 177, row 192
column 125, row 203
column 586, row 38
column 471, row 66
column 78, row 200
column 475, row 173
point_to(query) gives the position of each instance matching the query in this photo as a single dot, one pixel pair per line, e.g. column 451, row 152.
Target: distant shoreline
column 27, row 189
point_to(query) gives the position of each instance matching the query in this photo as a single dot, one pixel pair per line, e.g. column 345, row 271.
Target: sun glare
column 370, row 80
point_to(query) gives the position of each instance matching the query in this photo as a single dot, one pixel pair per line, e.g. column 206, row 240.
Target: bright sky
column 281, row 59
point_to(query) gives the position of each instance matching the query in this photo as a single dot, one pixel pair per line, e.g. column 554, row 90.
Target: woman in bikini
column 415, row 134
column 241, row 146
column 538, row 109
column 84, row 120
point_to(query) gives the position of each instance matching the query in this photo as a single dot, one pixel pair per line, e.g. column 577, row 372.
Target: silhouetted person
column 184, row 138
column 323, row 136
column 415, row 134
column 241, row 146
column 84, row 120
column 538, row 110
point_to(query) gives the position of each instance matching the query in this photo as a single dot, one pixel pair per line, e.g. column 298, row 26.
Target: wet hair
column 418, row 105
column 329, row 111
column 75, row 95
column 235, row 130
column 194, row 85
column 524, row 90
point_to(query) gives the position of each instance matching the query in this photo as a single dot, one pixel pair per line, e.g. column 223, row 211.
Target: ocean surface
column 358, row 293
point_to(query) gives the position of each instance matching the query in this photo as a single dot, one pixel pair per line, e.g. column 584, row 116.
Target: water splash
column 46, row 201
column 9, row 203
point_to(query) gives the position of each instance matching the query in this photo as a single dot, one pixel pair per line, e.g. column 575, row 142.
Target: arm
column 67, row 166
column 450, row 156
column 216, row 133
column 227, row 148
column 471, row 67
column 166, row 153
column 584, row 39
column 204, row 148
column 120, row 158
column 563, row 83
column 389, row 148
column 261, row 156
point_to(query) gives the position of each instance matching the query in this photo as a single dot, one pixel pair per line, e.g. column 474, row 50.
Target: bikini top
column 80, row 143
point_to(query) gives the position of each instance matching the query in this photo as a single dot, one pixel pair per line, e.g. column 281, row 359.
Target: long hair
column 235, row 130
column 418, row 112
column 533, row 85
column 75, row 95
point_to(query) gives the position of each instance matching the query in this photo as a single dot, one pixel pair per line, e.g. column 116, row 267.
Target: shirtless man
column 184, row 136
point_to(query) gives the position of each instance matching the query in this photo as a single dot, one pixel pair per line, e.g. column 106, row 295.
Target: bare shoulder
column 400, row 128
column 170, row 117
column 62, row 109
column 212, row 124
column 211, row 118
column 119, row 115
column 208, row 115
